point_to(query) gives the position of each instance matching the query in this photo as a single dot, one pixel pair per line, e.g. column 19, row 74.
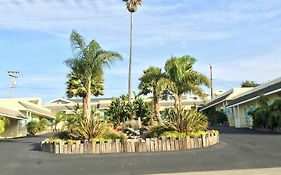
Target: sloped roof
column 217, row 100
column 37, row 109
column 79, row 100
column 55, row 101
column 272, row 86
column 11, row 113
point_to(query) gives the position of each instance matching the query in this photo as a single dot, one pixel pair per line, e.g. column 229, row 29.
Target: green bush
column 4, row 122
column 64, row 135
column 33, row 127
column 157, row 131
column 173, row 134
column 267, row 116
column 216, row 117
column 186, row 121
column 89, row 129
column 111, row 134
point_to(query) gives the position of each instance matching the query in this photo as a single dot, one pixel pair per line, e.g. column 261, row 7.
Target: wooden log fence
column 131, row 145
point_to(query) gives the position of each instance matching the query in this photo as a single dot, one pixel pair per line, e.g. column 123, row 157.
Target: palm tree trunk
column 87, row 105
column 178, row 102
column 157, row 107
column 131, row 55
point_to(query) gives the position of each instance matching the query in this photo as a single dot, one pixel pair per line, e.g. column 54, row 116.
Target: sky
column 240, row 39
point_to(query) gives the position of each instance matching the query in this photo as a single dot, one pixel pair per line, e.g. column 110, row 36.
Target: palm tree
column 87, row 63
column 149, row 83
column 180, row 78
column 132, row 6
column 77, row 88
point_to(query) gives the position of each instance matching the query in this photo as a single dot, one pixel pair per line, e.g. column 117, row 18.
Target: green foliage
column 88, row 129
column 4, row 122
column 149, row 83
column 132, row 5
column 111, row 134
column 77, row 88
column 168, row 113
column 216, row 117
column 175, row 134
column 2, row 126
column 142, row 110
column 63, row 135
column 158, row 130
column 249, row 83
column 149, row 80
column 182, row 78
column 186, row 121
column 120, row 110
column 87, row 63
column 60, row 116
column 267, row 116
column 35, row 127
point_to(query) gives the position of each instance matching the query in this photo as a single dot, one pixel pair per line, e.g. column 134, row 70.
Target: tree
column 120, row 110
column 180, row 78
column 60, row 116
column 132, row 6
column 249, row 83
column 4, row 122
column 87, row 64
column 149, row 83
column 142, row 110
column 77, row 88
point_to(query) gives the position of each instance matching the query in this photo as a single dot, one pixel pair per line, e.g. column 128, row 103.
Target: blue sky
column 241, row 39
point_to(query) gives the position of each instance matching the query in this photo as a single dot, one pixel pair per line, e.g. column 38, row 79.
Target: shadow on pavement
column 229, row 130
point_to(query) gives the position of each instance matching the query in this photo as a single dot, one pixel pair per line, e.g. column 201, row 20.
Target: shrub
column 216, row 117
column 173, row 134
column 4, row 122
column 89, row 129
column 112, row 135
column 186, row 121
column 158, row 130
column 33, row 127
column 267, row 116
column 63, row 135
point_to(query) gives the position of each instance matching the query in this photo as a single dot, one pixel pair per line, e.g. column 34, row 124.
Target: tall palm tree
column 149, row 83
column 87, row 63
column 132, row 6
column 180, row 78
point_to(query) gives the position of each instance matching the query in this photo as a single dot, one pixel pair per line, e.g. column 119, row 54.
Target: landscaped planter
column 131, row 145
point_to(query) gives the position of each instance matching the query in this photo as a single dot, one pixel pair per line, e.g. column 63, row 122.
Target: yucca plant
column 88, row 129
column 186, row 121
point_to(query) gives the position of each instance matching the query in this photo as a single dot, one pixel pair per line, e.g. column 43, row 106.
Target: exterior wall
column 11, row 130
column 240, row 112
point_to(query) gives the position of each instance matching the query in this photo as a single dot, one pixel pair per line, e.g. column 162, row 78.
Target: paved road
column 238, row 149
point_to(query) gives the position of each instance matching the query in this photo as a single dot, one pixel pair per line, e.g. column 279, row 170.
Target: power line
column 61, row 19
column 47, row 1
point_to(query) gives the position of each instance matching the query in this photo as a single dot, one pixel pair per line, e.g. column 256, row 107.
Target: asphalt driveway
column 238, row 149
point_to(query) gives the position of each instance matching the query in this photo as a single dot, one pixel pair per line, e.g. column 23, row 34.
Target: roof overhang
column 256, row 97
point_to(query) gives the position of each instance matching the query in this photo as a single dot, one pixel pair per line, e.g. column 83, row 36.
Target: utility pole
column 14, row 76
column 211, row 79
